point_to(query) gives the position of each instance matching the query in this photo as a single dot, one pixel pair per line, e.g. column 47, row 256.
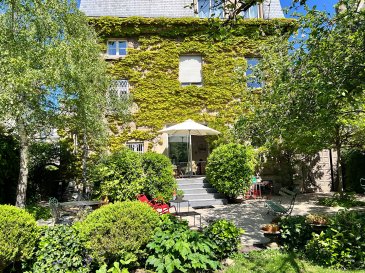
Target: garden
column 312, row 100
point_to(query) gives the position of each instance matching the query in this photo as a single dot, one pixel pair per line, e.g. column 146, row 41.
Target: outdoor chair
column 362, row 183
column 53, row 204
column 157, row 204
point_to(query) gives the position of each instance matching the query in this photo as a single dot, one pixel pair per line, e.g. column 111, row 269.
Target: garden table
column 81, row 204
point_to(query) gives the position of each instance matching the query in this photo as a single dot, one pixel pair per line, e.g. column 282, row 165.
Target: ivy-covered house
column 177, row 64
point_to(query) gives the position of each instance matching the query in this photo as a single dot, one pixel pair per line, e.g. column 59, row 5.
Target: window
column 190, row 70
column 137, row 147
column 121, row 87
column 252, row 12
column 210, row 8
column 117, row 48
column 252, row 81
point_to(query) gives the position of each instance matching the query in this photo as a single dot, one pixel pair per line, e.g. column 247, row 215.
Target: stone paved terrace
column 252, row 214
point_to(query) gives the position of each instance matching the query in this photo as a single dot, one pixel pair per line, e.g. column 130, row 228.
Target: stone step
column 194, row 186
column 198, row 190
column 199, row 196
column 185, row 181
column 207, row 202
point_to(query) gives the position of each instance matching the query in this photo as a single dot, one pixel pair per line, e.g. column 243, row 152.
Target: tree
column 313, row 97
column 51, row 74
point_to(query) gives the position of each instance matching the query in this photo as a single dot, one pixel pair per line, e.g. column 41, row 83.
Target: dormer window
column 210, row 8
column 117, row 48
column 252, row 12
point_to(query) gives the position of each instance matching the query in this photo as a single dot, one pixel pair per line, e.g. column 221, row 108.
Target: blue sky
column 325, row 5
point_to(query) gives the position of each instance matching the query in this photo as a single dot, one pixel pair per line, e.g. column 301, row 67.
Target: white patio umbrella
column 189, row 128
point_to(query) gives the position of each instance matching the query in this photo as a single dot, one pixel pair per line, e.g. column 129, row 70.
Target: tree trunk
column 338, row 164
column 85, row 155
column 23, row 173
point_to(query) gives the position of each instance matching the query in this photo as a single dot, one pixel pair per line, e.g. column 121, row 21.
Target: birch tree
column 51, row 74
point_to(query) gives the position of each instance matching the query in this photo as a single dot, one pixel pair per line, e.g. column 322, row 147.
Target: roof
column 158, row 8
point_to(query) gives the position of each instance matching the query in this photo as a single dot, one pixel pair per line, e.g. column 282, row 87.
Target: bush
column 295, row 232
column 9, row 167
column 118, row 229
column 176, row 248
column 230, row 168
column 342, row 245
column 119, row 176
column 345, row 199
column 225, row 235
column 39, row 212
column 61, row 250
column 159, row 176
column 18, row 235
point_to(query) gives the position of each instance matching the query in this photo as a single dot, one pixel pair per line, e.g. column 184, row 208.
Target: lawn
column 275, row 261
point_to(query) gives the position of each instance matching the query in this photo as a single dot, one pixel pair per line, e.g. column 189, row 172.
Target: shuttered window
column 190, row 70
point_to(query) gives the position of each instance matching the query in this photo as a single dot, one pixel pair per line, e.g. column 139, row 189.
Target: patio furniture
column 190, row 213
column 278, row 207
column 157, row 204
column 178, row 204
column 362, row 183
column 54, row 206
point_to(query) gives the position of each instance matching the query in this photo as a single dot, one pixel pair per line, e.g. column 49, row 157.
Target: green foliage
column 295, row 232
column 342, row 245
column 276, row 261
column 176, row 248
column 154, row 61
column 18, row 235
column 225, row 235
column 345, row 199
column 230, row 168
column 116, row 230
column 61, row 249
column 130, row 259
column 159, row 179
column 119, row 176
column 354, row 169
column 9, row 167
column 39, row 212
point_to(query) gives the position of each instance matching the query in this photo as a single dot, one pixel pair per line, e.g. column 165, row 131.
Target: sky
column 325, row 5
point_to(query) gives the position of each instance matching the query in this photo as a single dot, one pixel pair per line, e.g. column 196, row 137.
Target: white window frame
column 137, row 147
column 122, row 87
column 117, row 47
column 247, row 14
column 218, row 13
column 191, row 69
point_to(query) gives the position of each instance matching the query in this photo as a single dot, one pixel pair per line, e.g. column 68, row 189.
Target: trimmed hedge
column 115, row 230
column 159, row 175
column 230, row 168
column 18, row 235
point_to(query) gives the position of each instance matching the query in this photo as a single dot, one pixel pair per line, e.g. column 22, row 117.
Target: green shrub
column 159, row 175
column 225, row 235
column 9, row 167
column 345, row 199
column 116, row 230
column 119, row 176
column 61, row 250
column 39, row 212
column 342, row 245
column 18, row 235
column 176, row 248
column 295, row 232
column 230, row 168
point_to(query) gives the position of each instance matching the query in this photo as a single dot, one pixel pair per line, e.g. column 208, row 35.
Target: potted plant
column 179, row 195
column 270, row 228
column 318, row 222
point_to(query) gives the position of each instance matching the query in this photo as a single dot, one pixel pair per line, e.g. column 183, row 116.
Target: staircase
column 200, row 193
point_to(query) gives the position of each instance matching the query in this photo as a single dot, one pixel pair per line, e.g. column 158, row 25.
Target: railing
column 137, row 147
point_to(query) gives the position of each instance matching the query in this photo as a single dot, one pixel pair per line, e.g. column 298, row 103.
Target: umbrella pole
column 190, row 155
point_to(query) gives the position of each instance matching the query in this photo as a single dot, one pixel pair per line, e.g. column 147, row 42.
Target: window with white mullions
column 119, row 88
column 117, row 48
column 137, row 147
column 210, row 8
